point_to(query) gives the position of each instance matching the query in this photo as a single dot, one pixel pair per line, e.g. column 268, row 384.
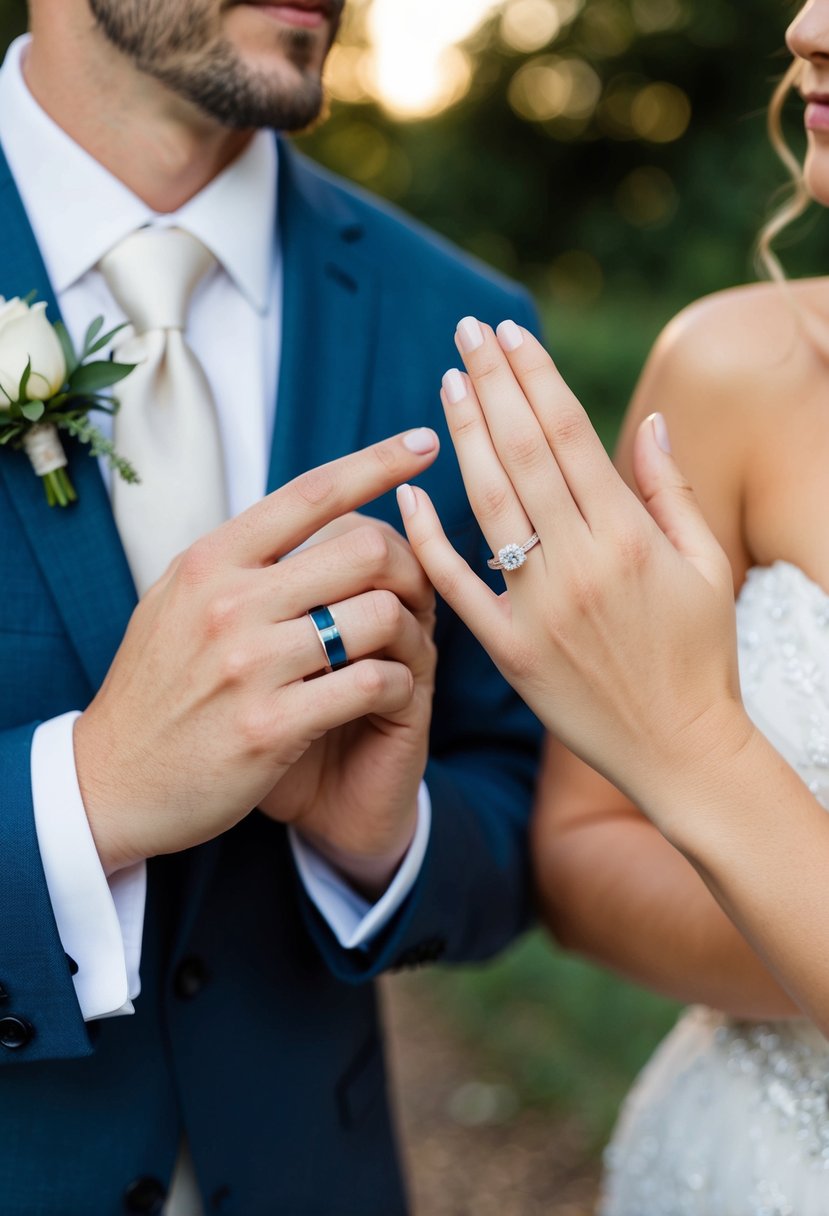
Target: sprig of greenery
column 87, row 432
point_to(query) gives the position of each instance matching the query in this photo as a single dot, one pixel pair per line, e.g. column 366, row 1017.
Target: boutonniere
column 47, row 387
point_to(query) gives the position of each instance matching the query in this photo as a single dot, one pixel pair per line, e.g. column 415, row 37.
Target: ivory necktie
column 167, row 425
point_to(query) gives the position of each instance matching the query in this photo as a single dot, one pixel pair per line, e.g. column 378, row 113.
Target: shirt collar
column 78, row 210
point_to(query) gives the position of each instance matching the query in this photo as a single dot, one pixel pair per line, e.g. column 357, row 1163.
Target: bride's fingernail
column 421, row 441
column 470, row 335
column 509, row 335
column 660, row 432
column 406, row 501
column 454, row 386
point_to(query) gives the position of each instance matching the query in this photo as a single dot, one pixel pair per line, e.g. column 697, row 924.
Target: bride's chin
column 816, row 174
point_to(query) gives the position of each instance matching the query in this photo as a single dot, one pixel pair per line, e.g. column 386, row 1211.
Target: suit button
column 191, row 976
column 144, row 1197
column 15, row 1032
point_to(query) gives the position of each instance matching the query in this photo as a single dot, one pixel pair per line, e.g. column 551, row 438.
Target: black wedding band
column 332, row 644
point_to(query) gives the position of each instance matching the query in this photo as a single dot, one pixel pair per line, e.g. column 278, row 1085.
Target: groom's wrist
column 369, row 873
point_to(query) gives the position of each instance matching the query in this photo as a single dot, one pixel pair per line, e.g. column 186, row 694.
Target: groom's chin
column 270, row 37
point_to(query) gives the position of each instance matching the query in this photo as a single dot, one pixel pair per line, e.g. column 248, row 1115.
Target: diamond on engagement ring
column 512, row 557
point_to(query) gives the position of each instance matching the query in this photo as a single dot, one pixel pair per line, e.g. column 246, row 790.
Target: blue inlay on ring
column 329, row 635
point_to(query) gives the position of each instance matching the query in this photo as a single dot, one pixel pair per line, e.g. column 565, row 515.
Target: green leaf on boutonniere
column 33, row 411
column 93, row 329
column 92, row 377
column 24, row 381
column 12, row 433
column 103, row 341
column 66, row 344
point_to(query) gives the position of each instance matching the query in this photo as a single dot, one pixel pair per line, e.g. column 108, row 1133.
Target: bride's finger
column 491, row 494
column 518, row 437
column 588, row 470
column 473, row 601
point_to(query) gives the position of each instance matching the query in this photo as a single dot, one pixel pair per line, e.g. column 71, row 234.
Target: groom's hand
column 353, row 794
column 208, row 702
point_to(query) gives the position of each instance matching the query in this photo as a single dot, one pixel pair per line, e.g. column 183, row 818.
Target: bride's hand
column 619, row 628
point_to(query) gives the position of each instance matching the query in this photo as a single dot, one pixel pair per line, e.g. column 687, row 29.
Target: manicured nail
column 470, row 335
column 454, row 386
column 509, row 335
column 421, row 441
column 660, row 432
column 406, row 501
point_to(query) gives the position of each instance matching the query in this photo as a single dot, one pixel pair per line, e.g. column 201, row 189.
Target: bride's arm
column 620, row 633
column 613, row 889
column 611, row 886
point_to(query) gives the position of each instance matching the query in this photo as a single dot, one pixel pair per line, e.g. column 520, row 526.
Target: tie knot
column 152, row 274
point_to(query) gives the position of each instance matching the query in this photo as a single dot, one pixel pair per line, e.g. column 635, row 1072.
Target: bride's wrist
column 695, row 789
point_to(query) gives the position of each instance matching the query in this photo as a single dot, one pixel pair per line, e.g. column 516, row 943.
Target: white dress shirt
column 78, row 211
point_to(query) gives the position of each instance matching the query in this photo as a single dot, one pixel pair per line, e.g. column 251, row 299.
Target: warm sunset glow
column 417, row 66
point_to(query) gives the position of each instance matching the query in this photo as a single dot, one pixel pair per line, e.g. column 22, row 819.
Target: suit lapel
column 77, row 548
column 330, row 306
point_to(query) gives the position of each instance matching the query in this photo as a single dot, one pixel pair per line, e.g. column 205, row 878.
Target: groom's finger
column 365, row 558
column 286, row 518
column 473, row 601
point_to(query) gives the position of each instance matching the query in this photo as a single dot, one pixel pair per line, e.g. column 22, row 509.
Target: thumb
column 669, row 498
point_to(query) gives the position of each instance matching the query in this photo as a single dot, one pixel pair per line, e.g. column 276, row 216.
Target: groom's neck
column 157, row 144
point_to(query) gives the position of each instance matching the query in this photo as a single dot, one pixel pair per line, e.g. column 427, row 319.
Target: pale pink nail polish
column 407, row 501
column 660, row 432
column 421, row 441
column 509, row 335
column 454, row 386
column 470, row 335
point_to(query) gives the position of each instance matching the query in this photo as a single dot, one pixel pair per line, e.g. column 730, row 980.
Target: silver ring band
column 512, row 557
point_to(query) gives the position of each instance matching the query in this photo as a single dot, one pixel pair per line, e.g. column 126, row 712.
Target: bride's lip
column 817, row 112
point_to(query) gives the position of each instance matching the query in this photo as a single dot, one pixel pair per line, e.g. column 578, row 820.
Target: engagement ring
column 512, row 557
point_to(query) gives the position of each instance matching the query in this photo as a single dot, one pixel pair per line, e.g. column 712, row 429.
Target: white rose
column 26, row 334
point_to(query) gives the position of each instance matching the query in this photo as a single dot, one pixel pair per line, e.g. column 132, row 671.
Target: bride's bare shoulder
column 761, row 337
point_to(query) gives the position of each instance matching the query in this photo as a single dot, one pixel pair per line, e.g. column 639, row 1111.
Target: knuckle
column 494, row 500
column 315, row 487
column 524, row 451
column 386, row 454
column 568, row 427
column 466, row 424
column 633, row 549
column 388, row 611
column 236, row 665
column 371, row 545
column 195, row 565
column 490, row 368
column 585, row 592
column 257, row 730
column 221, row 614
column 371, row 678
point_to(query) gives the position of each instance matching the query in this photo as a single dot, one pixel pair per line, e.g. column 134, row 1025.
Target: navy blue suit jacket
column 255, row 1031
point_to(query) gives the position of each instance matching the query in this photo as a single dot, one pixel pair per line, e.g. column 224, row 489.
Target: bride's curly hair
column 798, row 198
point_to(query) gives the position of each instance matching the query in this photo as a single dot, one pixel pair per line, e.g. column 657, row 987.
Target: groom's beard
column 180, row 43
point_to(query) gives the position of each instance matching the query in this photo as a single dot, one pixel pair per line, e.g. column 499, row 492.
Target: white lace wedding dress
column 732, row 1118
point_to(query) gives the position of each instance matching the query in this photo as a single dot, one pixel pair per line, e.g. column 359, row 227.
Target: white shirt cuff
column 354, row 921
column 100, row 922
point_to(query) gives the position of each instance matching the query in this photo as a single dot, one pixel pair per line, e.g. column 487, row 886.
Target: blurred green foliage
column 645, row 193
